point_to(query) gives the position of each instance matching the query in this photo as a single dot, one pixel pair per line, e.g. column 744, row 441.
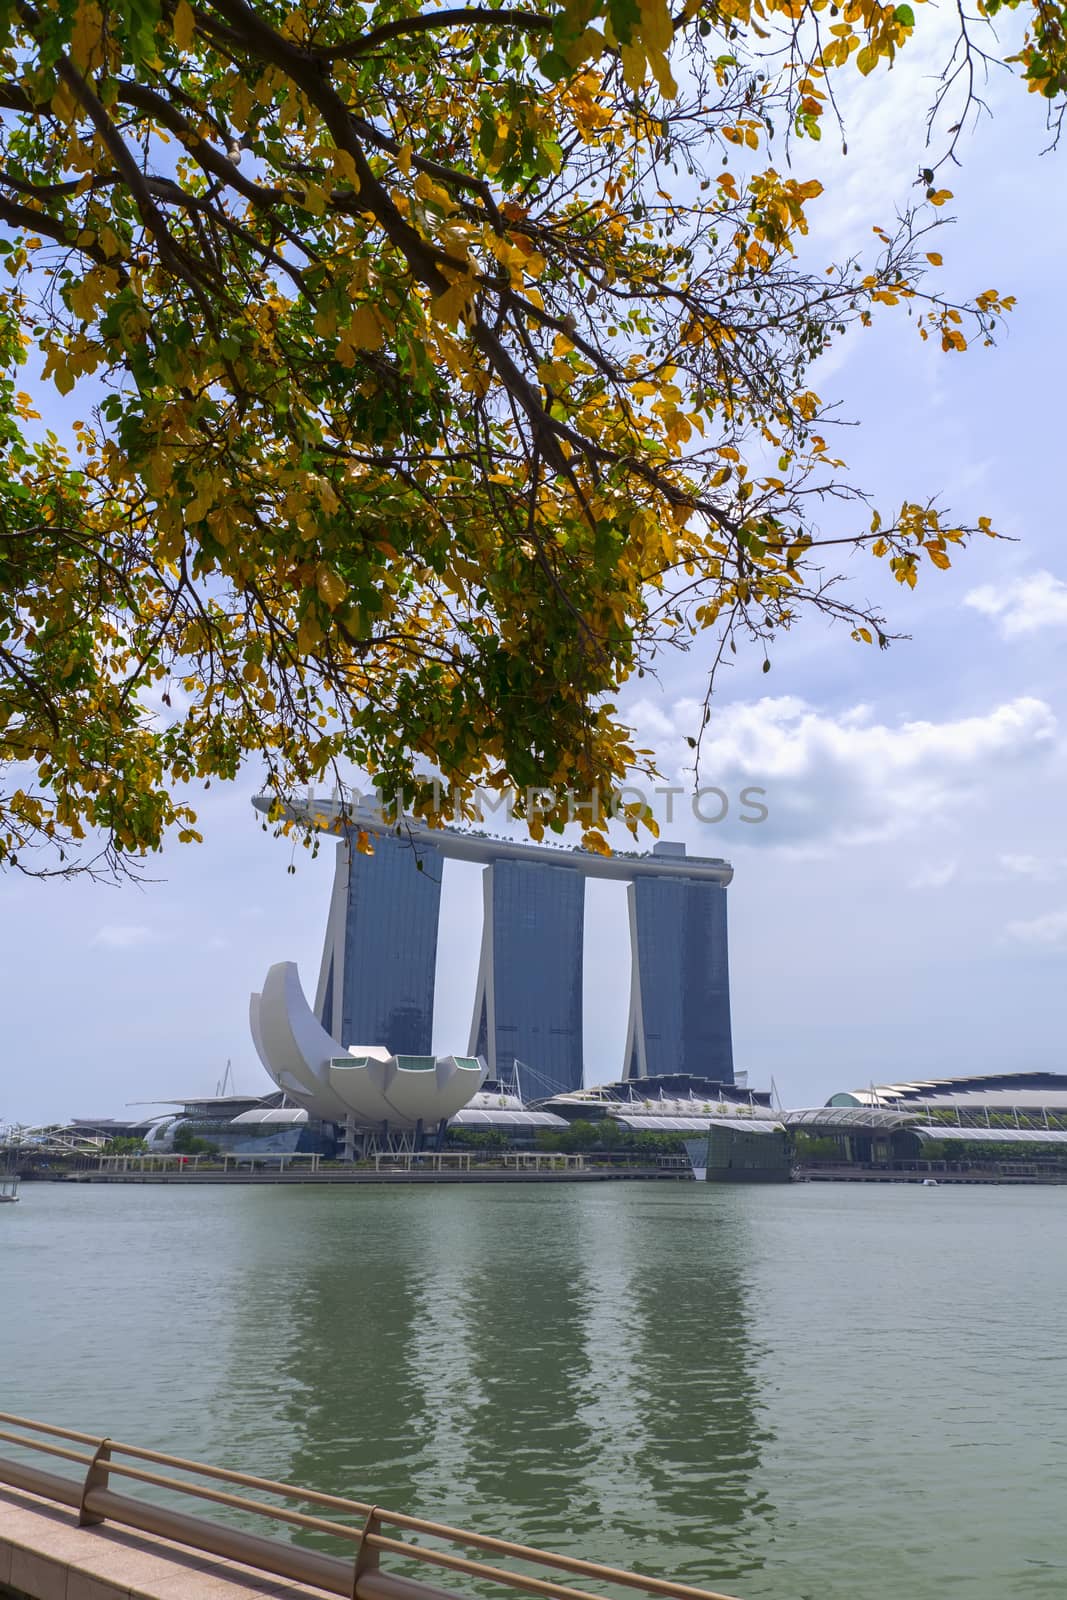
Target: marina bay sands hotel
column 376, row 983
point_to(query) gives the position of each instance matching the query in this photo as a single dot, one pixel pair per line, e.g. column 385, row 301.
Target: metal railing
column 359, row 1577
column 174, row 1160
column 468, row 1160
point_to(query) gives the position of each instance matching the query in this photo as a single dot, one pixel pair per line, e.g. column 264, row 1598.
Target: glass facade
column 390, row 947
column 262, row 1138
column 538, row 917
column 678, row 926
column 326, row 1014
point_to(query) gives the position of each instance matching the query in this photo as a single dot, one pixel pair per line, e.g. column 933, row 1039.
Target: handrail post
column 97, row 1477
column 368, row 1559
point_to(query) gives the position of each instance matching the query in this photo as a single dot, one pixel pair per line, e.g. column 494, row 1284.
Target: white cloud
column 122, row 935
column 884, row 134
column 845, row 778
column 935, row 875
column 1024, row 605
column 1050, row 929
column 1040, row 868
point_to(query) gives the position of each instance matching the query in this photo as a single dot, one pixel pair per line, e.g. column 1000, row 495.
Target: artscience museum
column 364, row 1089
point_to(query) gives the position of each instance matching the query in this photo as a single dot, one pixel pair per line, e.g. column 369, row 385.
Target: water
column 843, row 1393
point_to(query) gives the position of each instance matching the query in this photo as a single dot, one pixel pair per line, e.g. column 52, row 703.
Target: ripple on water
column 786, row 1392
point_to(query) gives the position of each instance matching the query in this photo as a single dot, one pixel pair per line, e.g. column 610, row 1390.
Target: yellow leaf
column 91, row 291
column 662, row 73
column 86, row 42
column 434, row 194
column 454, row 303
column 364, row 332
column 934, row 258
column 184, row 25
column 63, row 378
column 240, row 105
column 657, row 26
column 331, row 586
column 314, row 199
column 344, row 165
column 939, row 197
column 324, row 490
column 309, row 634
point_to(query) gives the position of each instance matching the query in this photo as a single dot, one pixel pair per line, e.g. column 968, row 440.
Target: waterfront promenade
column 423, row 1167
column 455, row 1168
column 393, row 1179
column 44, row 1555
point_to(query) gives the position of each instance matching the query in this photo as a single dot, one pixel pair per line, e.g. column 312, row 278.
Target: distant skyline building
column 680, row 977
column 376, row 983
column 379, row 958
column 528, row 1000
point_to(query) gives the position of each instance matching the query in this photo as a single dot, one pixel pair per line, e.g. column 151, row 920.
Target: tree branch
column 426, row 22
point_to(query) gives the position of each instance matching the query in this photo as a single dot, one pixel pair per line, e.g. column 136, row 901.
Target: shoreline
column 941, row 1179
column 346, row 1179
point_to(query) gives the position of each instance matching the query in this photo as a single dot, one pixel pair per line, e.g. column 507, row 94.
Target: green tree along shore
column 434, row 371
column 580, row 1138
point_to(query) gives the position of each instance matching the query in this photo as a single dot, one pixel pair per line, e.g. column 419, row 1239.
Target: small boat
column 930, row 1183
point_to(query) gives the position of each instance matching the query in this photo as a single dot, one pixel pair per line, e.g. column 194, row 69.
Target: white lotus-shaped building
column 363, row 1084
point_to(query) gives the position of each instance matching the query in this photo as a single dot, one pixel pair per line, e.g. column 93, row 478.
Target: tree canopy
column 434, row 368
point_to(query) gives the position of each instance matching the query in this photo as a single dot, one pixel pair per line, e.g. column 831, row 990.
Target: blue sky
column 903, row 910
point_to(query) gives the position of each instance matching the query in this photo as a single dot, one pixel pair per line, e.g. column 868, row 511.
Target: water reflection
column 515, row 1363
column 595, row 1368
column 325, row 1359
column 675, row 1402
column 572, row 1367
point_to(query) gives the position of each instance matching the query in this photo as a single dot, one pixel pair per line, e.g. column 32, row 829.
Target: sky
column 901, row 912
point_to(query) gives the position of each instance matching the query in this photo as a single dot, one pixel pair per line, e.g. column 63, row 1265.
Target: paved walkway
column 45, row 1555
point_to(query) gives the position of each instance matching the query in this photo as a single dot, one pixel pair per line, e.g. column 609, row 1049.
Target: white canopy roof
column 941, row 1130
column 643, row 1124
column 504, row 1117
column 275, row 1114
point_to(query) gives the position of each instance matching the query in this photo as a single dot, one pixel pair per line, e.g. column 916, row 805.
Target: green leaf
column 625, row 16
column 138, row 26
column 487, row 132
column 905, row 16
column 552, row 66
